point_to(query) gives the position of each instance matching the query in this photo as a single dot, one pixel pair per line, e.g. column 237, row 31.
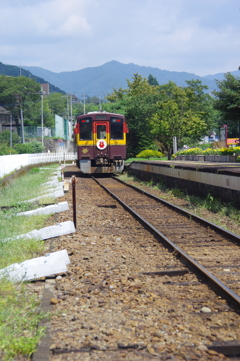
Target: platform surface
column 208, row 167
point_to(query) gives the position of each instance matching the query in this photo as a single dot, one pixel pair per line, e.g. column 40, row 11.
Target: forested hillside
column 12, row 70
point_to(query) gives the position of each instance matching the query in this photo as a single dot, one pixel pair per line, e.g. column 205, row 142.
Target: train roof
column 101, row 112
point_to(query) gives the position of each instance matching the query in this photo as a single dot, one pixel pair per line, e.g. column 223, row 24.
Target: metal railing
column 10, row 163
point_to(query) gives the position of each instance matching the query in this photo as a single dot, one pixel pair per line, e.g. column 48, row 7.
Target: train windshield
column 86, row 129
column 101, row 131
column 116, row 128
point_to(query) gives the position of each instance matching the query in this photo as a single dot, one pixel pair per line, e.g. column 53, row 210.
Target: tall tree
column 18, row 93
column 156, row 114
column 176, row 117
column 228, row 102
column 201, row 102
column 139, row 105
column 152, row 80
column 57, row 102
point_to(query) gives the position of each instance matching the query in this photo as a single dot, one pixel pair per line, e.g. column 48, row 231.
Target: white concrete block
column 50, row 264
column 56, row 194
column 52, row 183
column 58, row 230
column 52, row 209
column 47, row 232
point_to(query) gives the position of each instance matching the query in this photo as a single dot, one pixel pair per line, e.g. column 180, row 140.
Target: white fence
column 9, row 163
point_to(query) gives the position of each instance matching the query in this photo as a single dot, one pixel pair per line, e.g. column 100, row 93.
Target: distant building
column 5, row 120
column 75, row 99
column 63, row 128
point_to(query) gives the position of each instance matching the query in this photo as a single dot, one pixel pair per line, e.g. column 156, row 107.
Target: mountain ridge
column 101, row 80
column 13, row 70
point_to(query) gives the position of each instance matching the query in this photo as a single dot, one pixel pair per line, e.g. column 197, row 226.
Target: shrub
column 32, row 147
column 5, row 150
column 37, row 146
column 5, row 137
column 149, row 153
column 209, row 151
column 23, row 148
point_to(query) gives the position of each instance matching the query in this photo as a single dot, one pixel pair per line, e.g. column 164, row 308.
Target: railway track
column 200, row 244
column 126, row 296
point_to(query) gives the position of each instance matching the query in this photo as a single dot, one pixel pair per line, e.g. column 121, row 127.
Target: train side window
column 116, row 128
column 86, row 129
column 101, row 131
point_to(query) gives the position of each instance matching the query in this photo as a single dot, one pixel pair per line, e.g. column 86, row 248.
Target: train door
column 101, row 130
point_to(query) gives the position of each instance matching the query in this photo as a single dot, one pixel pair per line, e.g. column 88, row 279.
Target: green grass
column 19, row 250
column 215, row 206
column 25, row 187
column 19, row 319
column 19, row 316
column 12, row 225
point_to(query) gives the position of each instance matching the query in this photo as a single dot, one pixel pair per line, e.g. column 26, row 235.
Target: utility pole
column 174, row 145
column 41, row 93
column 42, row 115
column 71, row 107
column 10, row 130
column 239, row 123
column 84, row 106
column 22, row 125
column 68, row 107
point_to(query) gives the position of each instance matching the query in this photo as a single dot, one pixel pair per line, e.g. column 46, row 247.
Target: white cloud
column 55, row 18
column 181, row 35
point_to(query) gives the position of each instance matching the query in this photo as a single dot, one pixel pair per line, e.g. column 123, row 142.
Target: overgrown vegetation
column 19, row 317
column 25, row 187
column 18, row 148
column 28, row 148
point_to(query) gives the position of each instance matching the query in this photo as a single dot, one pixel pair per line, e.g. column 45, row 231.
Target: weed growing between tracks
column 222, row 214
column 19, row 317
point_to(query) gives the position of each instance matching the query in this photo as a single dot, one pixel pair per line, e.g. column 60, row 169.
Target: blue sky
column 196, row 36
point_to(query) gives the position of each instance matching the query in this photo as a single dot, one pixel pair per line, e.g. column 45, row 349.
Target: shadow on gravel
column 108, row 206
column 79, row 174
column 69, row 174
column 102, row 175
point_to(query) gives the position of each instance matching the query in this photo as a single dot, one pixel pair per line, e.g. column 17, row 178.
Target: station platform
column 220, row 179
column 211, row 167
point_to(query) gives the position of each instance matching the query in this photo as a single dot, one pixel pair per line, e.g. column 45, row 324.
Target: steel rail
column 212, row 281
column 230, row 235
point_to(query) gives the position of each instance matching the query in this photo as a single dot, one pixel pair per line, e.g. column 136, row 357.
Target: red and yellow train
column 100, row 138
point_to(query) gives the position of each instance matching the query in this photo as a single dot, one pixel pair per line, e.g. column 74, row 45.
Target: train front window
column 116, row 128
column 86, row 129
column 101, row 131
